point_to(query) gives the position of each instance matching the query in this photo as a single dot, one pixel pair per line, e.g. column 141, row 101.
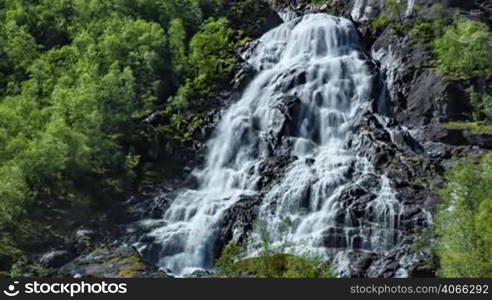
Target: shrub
column 464, row 50
column 481, row 103
column 463, row 221
column 427, row 31
column 14, row 193
column 271, row 264
column 379, row 23
column 392, row 14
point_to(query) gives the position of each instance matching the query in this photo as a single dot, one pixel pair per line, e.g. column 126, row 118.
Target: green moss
column 475, row 127
column 131, row 271
column 131, row 266
column 126, row 259
column 379, row 23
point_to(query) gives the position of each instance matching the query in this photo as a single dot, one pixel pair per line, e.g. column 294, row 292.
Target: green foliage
column 13, row 192
column 273, row 261
column 78, row 76
column 177, row 37
column 475, row 127
column 211, row 53
column 463, row 221
column 379, row 23
column 423, row 240
column 226, row 262
column 427, row 31
column 396, row 8
column 393, row 14
column 271, row 264
column 464, row 49
column 481, row 103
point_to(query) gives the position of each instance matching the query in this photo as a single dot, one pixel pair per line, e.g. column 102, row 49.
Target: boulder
column 284, row 121
column 108, row 262
column 237, row 222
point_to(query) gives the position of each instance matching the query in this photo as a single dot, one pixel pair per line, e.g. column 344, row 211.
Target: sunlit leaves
column 463, row 222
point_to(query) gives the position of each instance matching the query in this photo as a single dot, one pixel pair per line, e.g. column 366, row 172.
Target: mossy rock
column 122, row 262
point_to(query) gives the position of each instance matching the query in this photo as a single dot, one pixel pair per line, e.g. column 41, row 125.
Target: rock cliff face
column 403, row 136
column 384, row 202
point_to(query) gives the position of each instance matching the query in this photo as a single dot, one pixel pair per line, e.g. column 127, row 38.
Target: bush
column 464, row 50
column 463, row 221
column 14, row 193
column 392, row 14
column 481, row 103
column 211, row 53
column 271, row 264
column 77, row 78
column 379, row 23
column 427, row 31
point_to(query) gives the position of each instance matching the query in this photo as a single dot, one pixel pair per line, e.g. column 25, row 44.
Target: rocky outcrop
column 109, row 262
column 287, row 110
column 55, row 259
column 237, row 222
column 403, row 136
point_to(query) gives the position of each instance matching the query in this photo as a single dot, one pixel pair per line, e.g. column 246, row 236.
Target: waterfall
column 362, row 9
column 410, row 8
column 317, row 60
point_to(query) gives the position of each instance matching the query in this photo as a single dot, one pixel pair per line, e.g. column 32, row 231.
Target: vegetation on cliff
column 464, row 219
column 271, row 263
column 77, row 80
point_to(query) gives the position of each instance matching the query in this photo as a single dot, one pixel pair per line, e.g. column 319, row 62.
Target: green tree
column 464, row 49
column 14, row 193
column 462, row 224
column 211, row 52
column 177, row 38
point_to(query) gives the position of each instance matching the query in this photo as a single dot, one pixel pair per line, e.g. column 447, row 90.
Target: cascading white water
column 362, row 9
column 333, row 85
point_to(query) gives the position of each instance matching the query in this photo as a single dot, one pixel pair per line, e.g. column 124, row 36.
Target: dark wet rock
column 360, row 261
column 243, row 74
column 424, row 270
column 149, row 205
column 284, row 122
column 335, row 237
column 155, row 118
column 55, row 259
column 458, row 137
column 253, row 18
column 383, row 268
column 295, row 8
column 237, row 222
column 6, row 261
column 272, row 168
column 200, row 274
column 290, row 79
column 107, row 262
column 84, row 234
